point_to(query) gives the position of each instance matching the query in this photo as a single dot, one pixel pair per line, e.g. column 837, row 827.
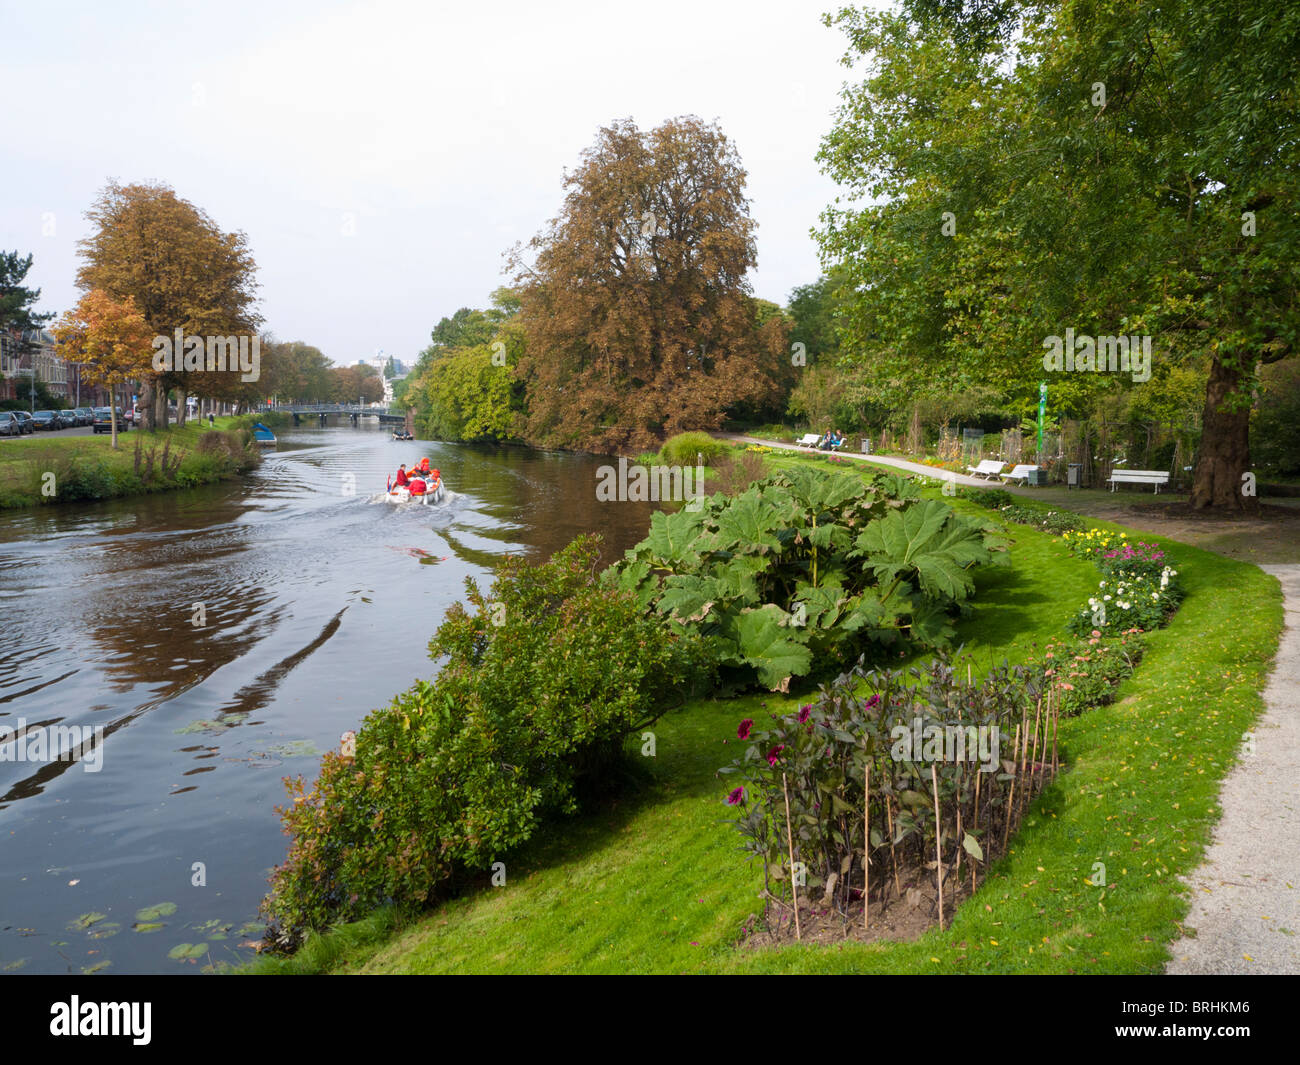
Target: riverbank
column 68, row 469
column 653, row 882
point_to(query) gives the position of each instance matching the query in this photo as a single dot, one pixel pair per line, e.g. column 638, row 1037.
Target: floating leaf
column 80, row 924
column 103, row 931
column 183, row 951
column 296, row 749
column 147, row 926
column 153, row 913
column 97, row 967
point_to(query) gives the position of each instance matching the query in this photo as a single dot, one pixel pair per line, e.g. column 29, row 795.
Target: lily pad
column 103, row 931
column 15, row 965
column 90, row 969
column 296, row 749
column 147, row 926
column 153, row 913
column 80, row 924
column 226, row 721
column 252, row 928
column 187, row 950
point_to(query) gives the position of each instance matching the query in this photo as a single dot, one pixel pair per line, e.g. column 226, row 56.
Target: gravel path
column 1246, row 905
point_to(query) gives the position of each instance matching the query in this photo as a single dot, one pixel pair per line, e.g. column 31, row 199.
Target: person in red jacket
column 416, row 485
column 401, row 476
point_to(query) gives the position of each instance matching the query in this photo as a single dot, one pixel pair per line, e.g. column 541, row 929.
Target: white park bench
column 1151, row 477
column 809, row 439
column 986, row 469
column 1020, row 473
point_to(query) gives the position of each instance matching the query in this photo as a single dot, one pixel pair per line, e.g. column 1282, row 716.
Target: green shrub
column 542, row 684
column 199, row 469
column 1052, row 521
column 994, row 498
column 806, row 569
column 686, row 449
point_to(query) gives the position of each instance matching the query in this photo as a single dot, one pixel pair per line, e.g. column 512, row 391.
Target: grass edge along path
column 655, row 882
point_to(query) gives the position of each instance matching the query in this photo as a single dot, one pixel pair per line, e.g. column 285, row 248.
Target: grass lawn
column 24, row 462
column 656, row 881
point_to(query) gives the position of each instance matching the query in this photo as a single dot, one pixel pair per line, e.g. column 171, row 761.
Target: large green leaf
column 672, row 538
column 767, row 645
column 747, row 527
column 927, row 540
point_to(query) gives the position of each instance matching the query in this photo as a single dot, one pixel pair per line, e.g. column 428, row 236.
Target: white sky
column 441, row 130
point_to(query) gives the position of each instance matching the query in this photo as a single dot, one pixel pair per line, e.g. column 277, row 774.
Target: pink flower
column 804, row 711
column 736, row 797
column 775, row 753
column 745, row 726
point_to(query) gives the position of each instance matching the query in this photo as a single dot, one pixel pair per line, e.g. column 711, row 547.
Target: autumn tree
column 638, row 316
column 181, row 270
column 110, row 338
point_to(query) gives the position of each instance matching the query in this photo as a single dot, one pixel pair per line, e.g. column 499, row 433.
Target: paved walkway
column 878, row 460
column 1246, row 907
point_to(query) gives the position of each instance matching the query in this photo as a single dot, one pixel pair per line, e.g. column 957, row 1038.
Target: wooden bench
column 986, row 469
column 1020, row 473
column 809, row 440
column 1151, row 477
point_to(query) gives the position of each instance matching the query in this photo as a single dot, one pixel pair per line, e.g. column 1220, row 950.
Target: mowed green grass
column 656, row 882
column 25, row 461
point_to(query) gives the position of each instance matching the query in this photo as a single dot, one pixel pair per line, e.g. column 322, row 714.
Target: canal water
column 222, row 638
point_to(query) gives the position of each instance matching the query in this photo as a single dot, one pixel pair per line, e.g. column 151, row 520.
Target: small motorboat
column 402, row 436
column 263, row 436
column 403, row 495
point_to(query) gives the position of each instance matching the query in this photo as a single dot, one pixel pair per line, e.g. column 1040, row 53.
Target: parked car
column 84, row 415
column 104, row 421
column 29, row 426
column 10, row 424
column 46, row 419
column 67, row 419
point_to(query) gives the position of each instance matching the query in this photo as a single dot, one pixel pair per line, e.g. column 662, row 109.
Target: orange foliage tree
column 182, row 271
column 110, row 338
column 637, row 313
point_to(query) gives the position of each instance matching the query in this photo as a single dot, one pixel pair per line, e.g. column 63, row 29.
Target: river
column 222, row 638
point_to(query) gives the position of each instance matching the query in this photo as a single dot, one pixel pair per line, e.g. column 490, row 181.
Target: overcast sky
column 382, row 156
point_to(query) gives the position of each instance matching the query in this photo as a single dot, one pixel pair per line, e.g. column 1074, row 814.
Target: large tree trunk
column 1224, row 454
column 182, row 398
column 160, row 405
column 147, row 392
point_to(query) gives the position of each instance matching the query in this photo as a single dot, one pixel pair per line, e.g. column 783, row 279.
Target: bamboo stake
column 1023, row 755
column 938, row 854
column 866, row 848
column 1011, row 798
column 889, row 815
column 975, row 828
column 957, row 873
column 789, row 835
column 1056, row 732
column 1033, row 761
